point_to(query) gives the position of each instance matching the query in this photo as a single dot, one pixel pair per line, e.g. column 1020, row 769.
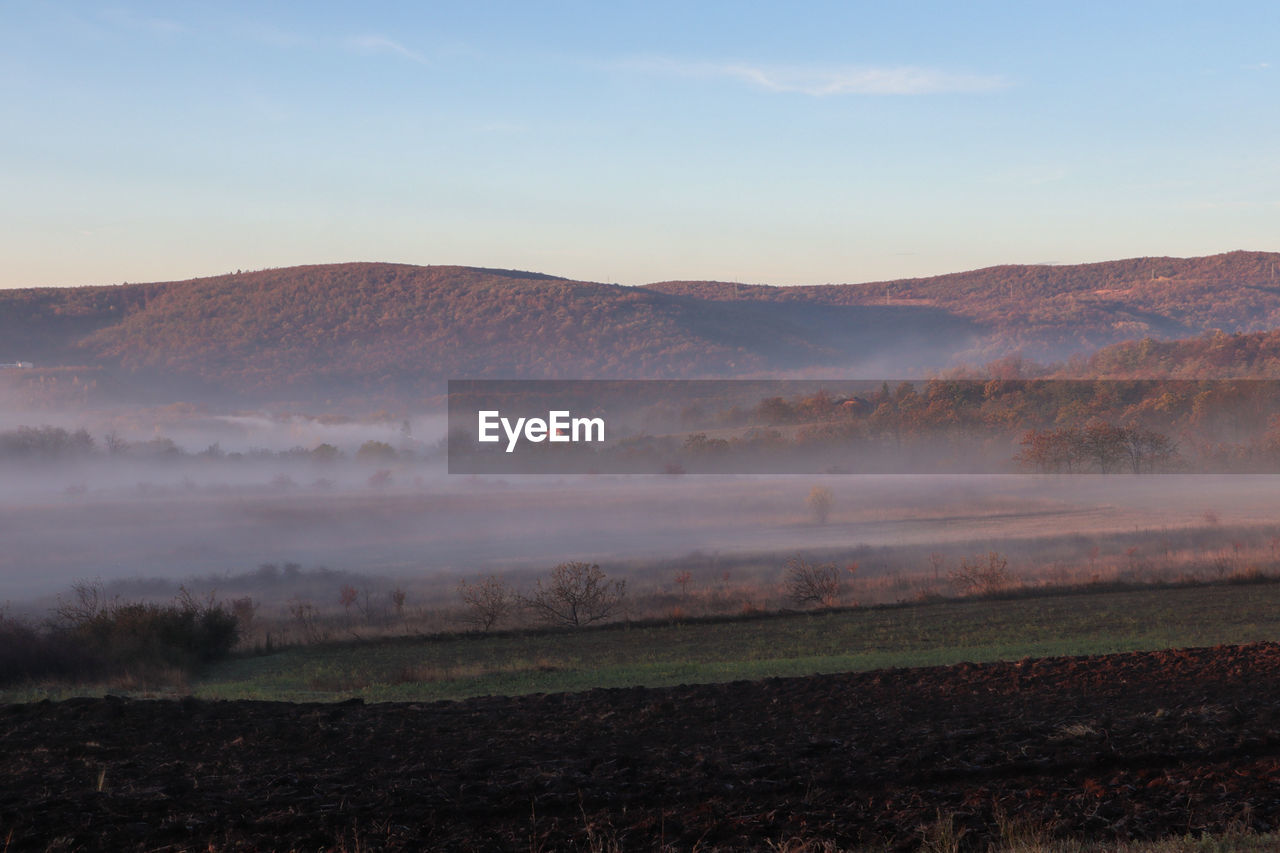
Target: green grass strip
column 790, row 644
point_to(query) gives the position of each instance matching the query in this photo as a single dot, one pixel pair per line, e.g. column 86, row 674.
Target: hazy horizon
column 639, row 284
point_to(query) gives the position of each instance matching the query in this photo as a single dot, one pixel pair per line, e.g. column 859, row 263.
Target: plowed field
column 1121, row 746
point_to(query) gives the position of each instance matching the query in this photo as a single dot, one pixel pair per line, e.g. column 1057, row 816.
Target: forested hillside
column 370, row 329
column 1218, row 354
column 1050, row 312
column 397, row 329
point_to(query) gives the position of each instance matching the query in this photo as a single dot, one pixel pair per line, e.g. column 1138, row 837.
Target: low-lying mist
column 180, row 495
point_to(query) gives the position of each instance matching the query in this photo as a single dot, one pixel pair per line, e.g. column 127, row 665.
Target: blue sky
column 787, row 143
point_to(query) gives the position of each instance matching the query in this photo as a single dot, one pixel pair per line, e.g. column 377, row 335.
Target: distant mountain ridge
column 338, row 330
column 1051, row 311
column 397, row 329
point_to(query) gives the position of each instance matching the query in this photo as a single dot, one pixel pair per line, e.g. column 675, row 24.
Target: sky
column 783, row 143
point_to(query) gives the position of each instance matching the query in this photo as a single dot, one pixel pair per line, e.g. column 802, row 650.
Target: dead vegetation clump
column 812, row 583
column 982, row 576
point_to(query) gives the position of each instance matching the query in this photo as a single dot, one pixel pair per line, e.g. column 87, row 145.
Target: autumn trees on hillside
column 1044, row 310
column 397, row 328
column 1043, row 425
column 1100, row 447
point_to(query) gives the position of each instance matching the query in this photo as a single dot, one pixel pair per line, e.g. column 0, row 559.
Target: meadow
column 660, row 652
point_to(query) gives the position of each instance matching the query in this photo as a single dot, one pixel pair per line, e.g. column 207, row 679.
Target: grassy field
column 788, row 644
column 943, row 632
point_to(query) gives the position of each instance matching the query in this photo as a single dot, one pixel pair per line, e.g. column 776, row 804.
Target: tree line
column 1098, row 447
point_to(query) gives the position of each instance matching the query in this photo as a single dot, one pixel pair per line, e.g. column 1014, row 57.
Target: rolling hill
column 394, row 330
column 1051, row 312
column 388, row 329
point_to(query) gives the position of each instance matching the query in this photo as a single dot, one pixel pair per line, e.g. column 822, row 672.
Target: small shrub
column 92, row 636
column 27, row 653
column 812, row 582
column 982, row 576
column 185, row 634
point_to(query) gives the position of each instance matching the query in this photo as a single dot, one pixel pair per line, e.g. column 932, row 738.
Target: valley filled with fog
column 193, row 498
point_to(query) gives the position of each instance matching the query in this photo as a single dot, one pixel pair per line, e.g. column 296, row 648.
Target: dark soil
column 1124, row 746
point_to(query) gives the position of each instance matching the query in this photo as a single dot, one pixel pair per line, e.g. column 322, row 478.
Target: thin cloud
column 382, row 44
column 824, row 82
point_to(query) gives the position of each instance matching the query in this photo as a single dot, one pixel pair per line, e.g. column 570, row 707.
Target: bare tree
column 116, row 446
column 1148, row 450
column 347, row 596
column 89, row 602
column 488, row 601
column 577, row 594
column 365, row 604
column 812, row 582
column 307, row 618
